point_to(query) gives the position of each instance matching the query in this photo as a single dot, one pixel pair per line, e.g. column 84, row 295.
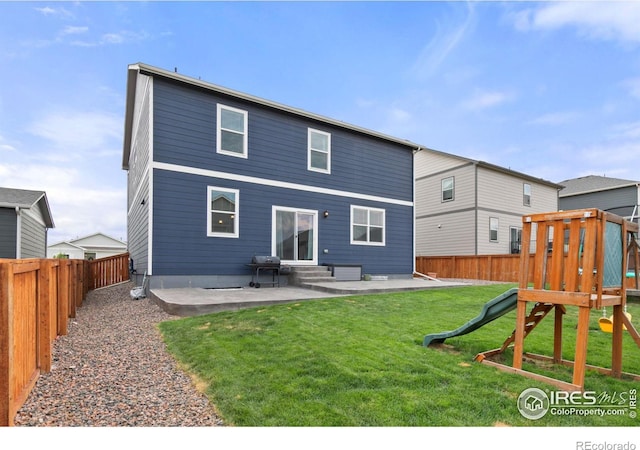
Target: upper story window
column 222, row 212
column 367, row 225
column 232, row 131
column 494, row 224
column 447, row 189
column 318, row 151
column 526, row 194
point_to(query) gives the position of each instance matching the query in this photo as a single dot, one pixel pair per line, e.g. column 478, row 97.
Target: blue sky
column 551, row 89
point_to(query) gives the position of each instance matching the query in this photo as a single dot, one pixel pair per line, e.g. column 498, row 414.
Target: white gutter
column 415, row 272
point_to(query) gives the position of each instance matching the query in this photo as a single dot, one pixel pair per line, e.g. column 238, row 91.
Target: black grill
column 265, row 263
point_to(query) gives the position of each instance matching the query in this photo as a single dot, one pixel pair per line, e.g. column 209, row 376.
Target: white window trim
column 497, row 229
column 453, row 189
column 384, row 226
column 309, row 150
column 525, row 195
column 236, row 222
column 245, row 140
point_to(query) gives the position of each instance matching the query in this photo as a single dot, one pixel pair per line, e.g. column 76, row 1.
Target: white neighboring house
column 94, row 246
column 470, row 207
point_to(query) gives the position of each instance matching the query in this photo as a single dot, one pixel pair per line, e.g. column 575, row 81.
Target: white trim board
column 275, row 183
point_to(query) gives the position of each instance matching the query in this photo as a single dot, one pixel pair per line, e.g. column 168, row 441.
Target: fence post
column 44, row 322
column 72, row 289
column 63, row 296
column 78, row 283
column 6, row 344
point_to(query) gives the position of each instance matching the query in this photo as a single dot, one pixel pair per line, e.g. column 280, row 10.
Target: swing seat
column 606, row 324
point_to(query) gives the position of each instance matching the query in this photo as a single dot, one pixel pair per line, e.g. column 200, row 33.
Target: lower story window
column 515, row 236
column 222, row 212
column 367, row 226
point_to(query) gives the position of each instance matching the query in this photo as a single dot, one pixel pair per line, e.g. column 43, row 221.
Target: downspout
column 413, row 223
column 18, row 233
column 635, row 208
column 415, row 272
column 475, row 209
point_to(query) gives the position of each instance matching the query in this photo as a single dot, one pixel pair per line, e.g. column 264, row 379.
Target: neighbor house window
column 515, row 238
column 232, row 131
column 367, row 226
column 526, row 194
column 447, row 189
column 493, row 229
column 319, row 151
column 222, row 212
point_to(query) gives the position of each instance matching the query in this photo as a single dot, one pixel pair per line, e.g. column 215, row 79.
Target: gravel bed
column 112, row 369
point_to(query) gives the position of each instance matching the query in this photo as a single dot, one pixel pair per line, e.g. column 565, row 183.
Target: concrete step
column 310, row 268
column 316, row 277
column 310, row 274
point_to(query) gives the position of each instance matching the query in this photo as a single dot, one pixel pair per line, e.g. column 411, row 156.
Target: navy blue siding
column 185, row 134
column 181, row 245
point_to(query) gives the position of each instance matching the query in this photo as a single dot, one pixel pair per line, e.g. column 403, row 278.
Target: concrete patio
column 195, row 301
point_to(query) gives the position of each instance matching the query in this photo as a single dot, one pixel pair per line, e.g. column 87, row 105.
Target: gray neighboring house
column 614, row 195
column 25, row 217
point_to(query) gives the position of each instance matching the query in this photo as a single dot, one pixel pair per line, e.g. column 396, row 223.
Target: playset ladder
column 538, row 312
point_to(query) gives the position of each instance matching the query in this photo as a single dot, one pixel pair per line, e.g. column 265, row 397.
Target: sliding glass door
column 295, row 235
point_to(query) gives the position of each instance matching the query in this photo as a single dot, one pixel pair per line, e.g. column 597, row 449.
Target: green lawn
column 359, row 361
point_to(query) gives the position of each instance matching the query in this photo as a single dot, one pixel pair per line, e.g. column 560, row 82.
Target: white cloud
column 627, row 130
column 79, row 131
column 399, row 115
column 5, row 146
column 48, row 11
column 444, row 41
column 79, row 205
column 74, row 30
column 602, row 20
column 633, row 85
column 121, row 37
column 486, row 99
column 73, row 157
column 608, row 156
column 557, row 118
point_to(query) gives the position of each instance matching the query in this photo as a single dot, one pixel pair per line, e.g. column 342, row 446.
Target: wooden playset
column 572, row 258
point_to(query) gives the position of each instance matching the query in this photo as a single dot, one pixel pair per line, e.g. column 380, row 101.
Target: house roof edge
column 135, row 69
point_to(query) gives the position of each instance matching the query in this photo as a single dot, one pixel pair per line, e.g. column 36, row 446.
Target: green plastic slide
column 497, row 307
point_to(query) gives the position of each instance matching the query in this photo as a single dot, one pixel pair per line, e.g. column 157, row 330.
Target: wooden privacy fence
column 472, row 267
column 37, row 296
column 108, row 271
column 484, row 267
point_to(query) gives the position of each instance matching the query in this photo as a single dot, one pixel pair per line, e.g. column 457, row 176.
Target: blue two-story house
column 216, row 176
